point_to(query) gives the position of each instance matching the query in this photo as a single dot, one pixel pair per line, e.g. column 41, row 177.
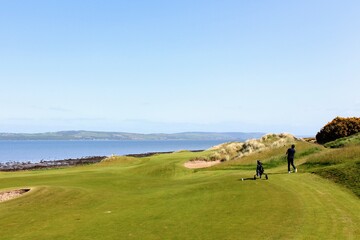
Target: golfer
column 290, row 157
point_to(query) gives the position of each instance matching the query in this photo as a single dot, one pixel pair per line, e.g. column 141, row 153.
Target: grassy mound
column 341, row 142
column 339, row 165
column 234, row 150
column 271, row 157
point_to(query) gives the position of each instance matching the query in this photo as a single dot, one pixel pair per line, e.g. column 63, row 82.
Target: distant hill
column 96, row 135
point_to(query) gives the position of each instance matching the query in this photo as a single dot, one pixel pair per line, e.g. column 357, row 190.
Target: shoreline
column 20, row 166
column 34, row 151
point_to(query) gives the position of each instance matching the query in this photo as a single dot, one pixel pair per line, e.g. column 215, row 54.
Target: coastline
column 20, row 166
column 36, row 151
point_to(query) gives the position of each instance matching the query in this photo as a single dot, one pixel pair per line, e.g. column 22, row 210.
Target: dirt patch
column 200, row 164
column 8, row 195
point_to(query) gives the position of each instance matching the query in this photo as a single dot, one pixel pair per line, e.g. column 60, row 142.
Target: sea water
column 37, row 150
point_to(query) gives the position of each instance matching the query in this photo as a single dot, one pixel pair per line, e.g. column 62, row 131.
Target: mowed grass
column 157, row 198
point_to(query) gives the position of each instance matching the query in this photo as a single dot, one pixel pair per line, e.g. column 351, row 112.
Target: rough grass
column 340, row 165
column 234, row 150
column 341, row 142
column 271, row 157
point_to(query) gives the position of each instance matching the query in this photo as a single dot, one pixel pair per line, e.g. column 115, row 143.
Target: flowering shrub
column 338, row 128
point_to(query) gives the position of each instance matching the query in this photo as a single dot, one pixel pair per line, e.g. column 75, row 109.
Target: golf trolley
column 260, row 171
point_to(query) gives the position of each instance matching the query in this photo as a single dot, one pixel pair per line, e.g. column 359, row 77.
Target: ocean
column 37, row 150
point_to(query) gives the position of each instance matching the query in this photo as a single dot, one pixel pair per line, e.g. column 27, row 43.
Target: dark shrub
column 338, row 128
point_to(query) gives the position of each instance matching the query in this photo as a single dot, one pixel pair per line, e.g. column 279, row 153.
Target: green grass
column 271, row 158
column 341, row 142
column 157, row 198
column 340, row 165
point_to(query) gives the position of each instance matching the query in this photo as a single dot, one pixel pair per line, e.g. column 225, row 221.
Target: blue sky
column 174, row 66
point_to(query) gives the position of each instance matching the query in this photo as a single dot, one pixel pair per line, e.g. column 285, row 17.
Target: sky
column 177, row 66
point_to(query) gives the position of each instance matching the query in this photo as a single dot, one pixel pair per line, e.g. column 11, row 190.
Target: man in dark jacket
column 290, row 157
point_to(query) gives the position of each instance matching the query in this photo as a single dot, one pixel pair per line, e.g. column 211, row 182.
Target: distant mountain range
column 96, row 135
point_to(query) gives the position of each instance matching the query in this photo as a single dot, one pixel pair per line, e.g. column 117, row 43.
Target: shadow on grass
column 269, row 174
column 246, row 179
column 251, row 178
column 279, row 173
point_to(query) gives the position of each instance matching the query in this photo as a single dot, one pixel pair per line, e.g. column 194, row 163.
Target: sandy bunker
column 200, row 164
column 11, row 194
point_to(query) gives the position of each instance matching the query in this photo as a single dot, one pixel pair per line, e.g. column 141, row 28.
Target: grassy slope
column 341, row 142
column 157, row 198
column 341, row 165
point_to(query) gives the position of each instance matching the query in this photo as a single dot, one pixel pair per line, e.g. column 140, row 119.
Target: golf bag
column 260, row 170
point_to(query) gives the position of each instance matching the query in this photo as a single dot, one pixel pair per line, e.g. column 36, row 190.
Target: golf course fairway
column 158, row 198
